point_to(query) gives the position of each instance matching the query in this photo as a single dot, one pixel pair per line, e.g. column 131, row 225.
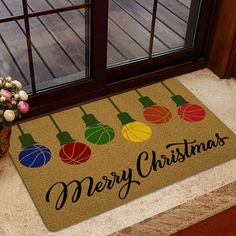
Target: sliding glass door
column 68, row 51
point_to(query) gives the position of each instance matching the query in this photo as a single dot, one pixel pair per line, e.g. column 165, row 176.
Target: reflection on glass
column 140, row 29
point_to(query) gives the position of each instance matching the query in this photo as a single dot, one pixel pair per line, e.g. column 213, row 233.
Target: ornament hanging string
column 168, row 88
column 138, row 92
column 63, row 136
column 114, row 105
column 82, row 109
column 20, row 129
column 54, row 122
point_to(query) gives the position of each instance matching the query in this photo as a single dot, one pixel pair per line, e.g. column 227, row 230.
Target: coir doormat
column 86, row 160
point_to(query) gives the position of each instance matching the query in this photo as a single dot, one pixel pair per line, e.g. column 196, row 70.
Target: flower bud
column 16, row 96
column 23, row 95
column 17, row 84
column 8, row 85
column 2, row 99
column 8, row 79
column 9, row 115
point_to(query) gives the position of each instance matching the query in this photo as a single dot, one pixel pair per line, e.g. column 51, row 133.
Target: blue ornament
column 34, row 156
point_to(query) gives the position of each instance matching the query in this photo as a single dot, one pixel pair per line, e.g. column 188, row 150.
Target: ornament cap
column 27, row 140
column 179, row 100
column 147, row 102
column 125, row 118
column 65, row 138
column 90, row 120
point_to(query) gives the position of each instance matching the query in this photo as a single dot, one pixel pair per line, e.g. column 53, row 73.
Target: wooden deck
column 58, row 40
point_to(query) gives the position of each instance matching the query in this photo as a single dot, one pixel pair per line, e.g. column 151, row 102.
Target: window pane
column 141, row 29
column 58, row 43
column 13, row 53
column 127, row 38
column 174, row 25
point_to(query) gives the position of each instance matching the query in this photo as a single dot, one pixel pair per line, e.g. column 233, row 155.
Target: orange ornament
column 157, row 114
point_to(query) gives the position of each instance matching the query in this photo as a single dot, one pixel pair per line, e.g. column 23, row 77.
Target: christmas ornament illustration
column 33, row 154
column 96, row 132
column 152, row 112
column 186, row 111
column 71, row 152
column 132, row 130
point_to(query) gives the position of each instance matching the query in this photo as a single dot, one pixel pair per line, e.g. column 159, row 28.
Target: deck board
column 127, row 47
column 14, row 70
column 166, row 17
column 186, row 3
column 176, row 8
column 44, row 54
column 15, row 6
column 162, row 32
column 133, row 28
column 63, row 40
column 60, row 49
column 75, row 19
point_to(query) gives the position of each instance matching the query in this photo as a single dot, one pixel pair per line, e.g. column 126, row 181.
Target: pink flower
column 5, row 94
column 13, row 102
column 23, row 107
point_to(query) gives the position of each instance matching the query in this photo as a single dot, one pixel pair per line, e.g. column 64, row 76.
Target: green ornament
column 99, row 134
column 96, row 132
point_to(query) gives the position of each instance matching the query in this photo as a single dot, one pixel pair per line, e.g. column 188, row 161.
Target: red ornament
column 75, row 153
column 191, row 112
column 157, row 114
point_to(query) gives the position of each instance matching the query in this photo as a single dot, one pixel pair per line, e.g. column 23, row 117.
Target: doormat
column 88, row 159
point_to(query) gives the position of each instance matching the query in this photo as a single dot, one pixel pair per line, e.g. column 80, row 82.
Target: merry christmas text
column 146, row 164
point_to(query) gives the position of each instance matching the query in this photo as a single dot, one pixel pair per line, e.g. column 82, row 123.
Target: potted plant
column 12, row 105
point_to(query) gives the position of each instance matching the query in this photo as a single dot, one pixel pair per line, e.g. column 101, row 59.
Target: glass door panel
column 52, row 47
column 58, row 42
column 142, row 29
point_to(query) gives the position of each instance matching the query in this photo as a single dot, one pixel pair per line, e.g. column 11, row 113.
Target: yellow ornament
column 132, row 130
column 136, row 131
